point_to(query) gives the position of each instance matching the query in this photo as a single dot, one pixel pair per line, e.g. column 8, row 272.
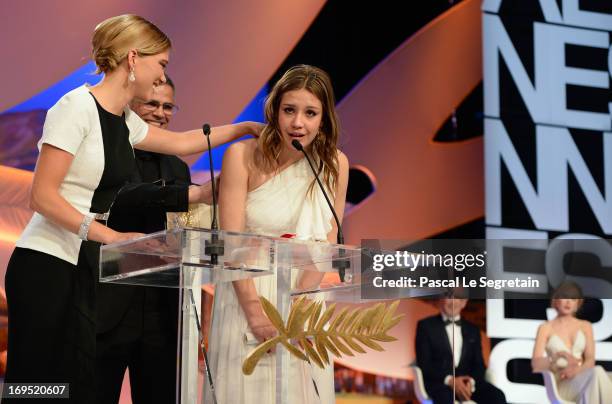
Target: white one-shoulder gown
column 281, row 205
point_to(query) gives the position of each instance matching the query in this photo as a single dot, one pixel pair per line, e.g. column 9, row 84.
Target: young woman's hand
column 569, row 372
column 261, row 326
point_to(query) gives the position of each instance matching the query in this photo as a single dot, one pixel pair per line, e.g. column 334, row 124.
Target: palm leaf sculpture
column 306, row 326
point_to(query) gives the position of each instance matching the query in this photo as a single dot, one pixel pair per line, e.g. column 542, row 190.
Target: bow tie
column 448, row 321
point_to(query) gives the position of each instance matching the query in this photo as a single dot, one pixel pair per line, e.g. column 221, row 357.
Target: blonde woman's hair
column 113, row 38
column 324, row 146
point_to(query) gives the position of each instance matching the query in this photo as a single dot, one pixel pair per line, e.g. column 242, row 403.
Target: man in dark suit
column 137, row 326
column 434, row 338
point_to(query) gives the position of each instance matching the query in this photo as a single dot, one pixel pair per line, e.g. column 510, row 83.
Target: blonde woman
column 86, row 155
column 268, row 188
column 565, row 346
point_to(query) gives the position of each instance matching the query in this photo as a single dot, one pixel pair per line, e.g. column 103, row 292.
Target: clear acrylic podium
column 176, row 258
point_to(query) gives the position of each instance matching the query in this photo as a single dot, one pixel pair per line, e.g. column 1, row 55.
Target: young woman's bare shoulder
column 243, row 146
column 585, row 325
column 545, row 327
column 242, row 150
column 342, row 159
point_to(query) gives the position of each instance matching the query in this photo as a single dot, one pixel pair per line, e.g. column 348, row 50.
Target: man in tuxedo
column 137, row 326
column 434, row 338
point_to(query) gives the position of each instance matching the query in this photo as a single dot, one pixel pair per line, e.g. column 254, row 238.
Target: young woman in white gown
column 565, row 345
column 268, row 188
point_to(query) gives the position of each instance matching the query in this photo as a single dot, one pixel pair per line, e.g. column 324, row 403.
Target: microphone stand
column 341, row 263
column 215, row 246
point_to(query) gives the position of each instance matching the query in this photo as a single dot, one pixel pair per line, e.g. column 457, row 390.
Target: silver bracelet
column 84, row 227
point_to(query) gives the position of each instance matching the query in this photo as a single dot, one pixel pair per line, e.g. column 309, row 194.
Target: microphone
column 340, row 264
column 215, row 246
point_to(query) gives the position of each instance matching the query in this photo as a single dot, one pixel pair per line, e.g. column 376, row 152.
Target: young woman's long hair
column 323, row 148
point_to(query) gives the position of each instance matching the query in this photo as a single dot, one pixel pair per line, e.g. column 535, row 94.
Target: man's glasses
column 167, row 107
